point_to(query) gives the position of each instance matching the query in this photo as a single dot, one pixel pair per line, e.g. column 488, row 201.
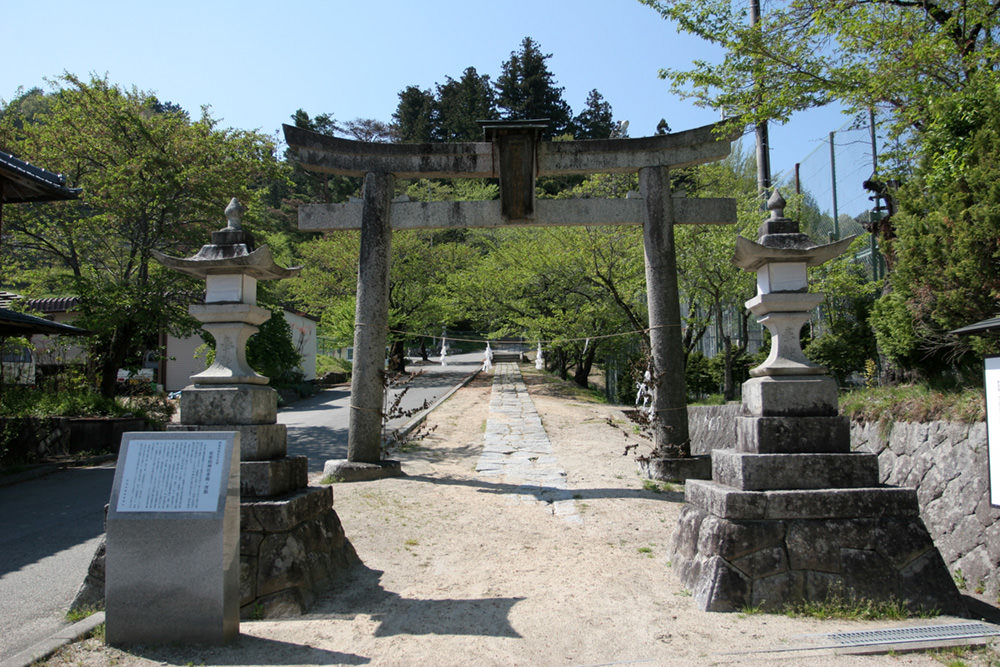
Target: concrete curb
column 34, row 472
column 409, row 426
column 54, row 642
column 42, row 469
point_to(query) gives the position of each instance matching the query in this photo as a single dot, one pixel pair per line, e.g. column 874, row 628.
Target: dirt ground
column 461, row 569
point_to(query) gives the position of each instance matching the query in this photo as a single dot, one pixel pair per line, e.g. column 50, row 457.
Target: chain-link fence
column 831, row 179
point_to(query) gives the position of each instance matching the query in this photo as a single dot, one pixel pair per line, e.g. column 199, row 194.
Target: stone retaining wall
column 712, row 427
column 945, row 461
column 26, row 440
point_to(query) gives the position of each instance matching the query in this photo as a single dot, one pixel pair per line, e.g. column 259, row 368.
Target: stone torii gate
column 513, row 153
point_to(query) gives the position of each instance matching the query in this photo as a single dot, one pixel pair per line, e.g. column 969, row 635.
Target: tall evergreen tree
column 461, row 103
column 596, row 120
column 412, row 121
column 526, row 89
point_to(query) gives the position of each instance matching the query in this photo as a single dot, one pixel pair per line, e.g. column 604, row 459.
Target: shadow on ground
column 544, row 493
column 243, row 650
column 361, row 592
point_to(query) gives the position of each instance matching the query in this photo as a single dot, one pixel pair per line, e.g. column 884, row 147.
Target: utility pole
column 763, row 146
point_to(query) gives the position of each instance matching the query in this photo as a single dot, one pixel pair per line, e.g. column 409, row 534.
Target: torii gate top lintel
column 514, row 155
column 347, row 157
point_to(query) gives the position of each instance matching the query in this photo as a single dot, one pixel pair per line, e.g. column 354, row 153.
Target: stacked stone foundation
column 799, row 550
column 292, row 544
column 792, row 515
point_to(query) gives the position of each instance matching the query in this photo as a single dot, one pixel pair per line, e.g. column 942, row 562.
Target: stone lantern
column 780, row 257
column 291, row 541
column 230, row 267
column 791, row 513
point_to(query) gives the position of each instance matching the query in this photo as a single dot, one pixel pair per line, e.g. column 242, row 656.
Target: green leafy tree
column 898, row 55
column 845, row 340
column 929, row 68
column 526, row 89
column 152, row 179
column 713, row 289
column 949, row 219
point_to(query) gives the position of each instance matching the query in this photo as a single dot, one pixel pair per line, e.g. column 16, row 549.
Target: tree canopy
column 152, row 179
column 929, row 71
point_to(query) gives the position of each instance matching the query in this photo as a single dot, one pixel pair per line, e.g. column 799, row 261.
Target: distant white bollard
column 488, row 359
column 539, row 359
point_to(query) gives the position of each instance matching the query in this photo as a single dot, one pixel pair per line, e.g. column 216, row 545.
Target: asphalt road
column 49, row 529
column 317, row 426
column 50, row 526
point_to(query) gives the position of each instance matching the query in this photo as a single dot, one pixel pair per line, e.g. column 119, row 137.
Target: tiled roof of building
column 55, row 304
column 24, row 182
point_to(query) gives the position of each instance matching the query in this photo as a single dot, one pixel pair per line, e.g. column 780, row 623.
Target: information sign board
column 172, row 472
column 993, row 426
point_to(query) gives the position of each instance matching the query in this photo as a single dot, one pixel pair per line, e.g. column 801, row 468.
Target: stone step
column 852, row 503
column 793, row 435
column 765, row 472
column 258, row 442
column 272, row 478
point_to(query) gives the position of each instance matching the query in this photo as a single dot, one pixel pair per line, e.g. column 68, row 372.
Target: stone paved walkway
column 517, row 449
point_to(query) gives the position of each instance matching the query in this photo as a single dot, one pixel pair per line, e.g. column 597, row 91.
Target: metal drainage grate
column 923, row 633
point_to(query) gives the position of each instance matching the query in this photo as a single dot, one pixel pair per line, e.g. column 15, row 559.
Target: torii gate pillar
column 371, row 322
column 670, row 424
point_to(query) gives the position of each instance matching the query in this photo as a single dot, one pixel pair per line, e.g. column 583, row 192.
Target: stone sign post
column 513, row 153
column 791, row 514
column 172, row 567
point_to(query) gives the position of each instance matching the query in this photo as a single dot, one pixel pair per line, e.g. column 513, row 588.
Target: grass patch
column 711, row 399
column 74, row 615
column 847, row 606
column 329, row 364
column 963, row 656
column 913, row 403
column 657, row 487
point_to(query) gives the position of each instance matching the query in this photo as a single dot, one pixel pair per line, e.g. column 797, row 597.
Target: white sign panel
column 993, row 426
column 167, row 475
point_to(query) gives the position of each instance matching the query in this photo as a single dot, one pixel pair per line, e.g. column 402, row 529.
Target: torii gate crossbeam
column 513, row 154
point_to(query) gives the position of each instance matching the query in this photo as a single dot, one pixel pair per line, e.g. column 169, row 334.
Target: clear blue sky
column 256, row 62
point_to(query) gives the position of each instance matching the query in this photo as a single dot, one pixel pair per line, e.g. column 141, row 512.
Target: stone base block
column 790, row 396
column 273, row 478
column 730, row 503
column 235, row 404
column 676, row 469
column 258, row 442
column 342, row 470
column 170, row 581
column 793, row 435
column 291, row 549
column 760, row 472
column 730, row 564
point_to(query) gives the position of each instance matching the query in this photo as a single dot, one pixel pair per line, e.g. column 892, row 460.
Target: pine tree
column 596, row 121
column 526, row 90
column 412, row 120
column 460, row 104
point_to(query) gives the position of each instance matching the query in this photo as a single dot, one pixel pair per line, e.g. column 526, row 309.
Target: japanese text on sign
column 171, row 476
